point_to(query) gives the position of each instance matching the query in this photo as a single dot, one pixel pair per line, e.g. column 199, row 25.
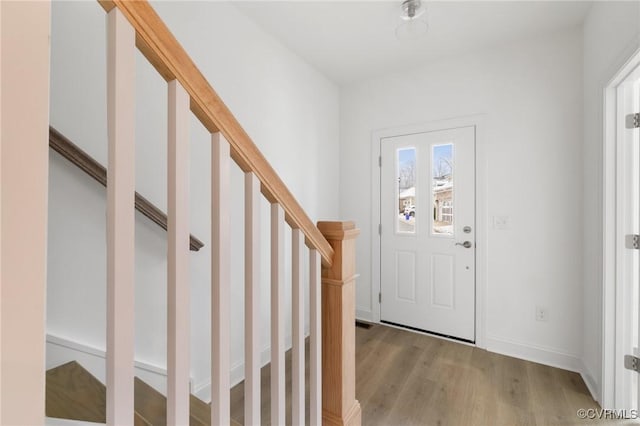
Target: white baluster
column 297, row 350
column 277, row 316
column 315, row 357
column 220, row 279
column 178, row 330
column 120, row 218
column 252, row 300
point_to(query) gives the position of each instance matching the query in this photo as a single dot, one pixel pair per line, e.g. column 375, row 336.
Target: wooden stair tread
column 150, row 403
column 152, row 406
column 195, row 422
column 138, row 420
column 200, row 410
column 74, row 393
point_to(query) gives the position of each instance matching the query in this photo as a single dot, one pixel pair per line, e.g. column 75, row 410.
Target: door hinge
column 632, row 363
column 379, row 229
column 633, row 121
column 379, row 160
column 632, row 241
column 380, row 297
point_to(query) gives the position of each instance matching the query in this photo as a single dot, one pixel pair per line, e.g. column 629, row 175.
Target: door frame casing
column 611, row 210
column 478, row 121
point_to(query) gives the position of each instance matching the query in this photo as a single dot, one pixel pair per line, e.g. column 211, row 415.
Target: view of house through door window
column 442, row 188
column 407, row 190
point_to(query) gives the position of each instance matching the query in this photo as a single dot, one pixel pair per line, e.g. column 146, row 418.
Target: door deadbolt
column 466, row 229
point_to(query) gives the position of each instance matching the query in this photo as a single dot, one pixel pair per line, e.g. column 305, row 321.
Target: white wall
column 531, row 93
column 611, row 35
column 290, row 110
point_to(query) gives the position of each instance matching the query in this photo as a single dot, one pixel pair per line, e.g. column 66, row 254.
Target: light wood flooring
column 405, row 378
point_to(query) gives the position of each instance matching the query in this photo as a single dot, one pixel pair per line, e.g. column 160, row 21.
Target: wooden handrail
column 165, row 53
column 63, row 146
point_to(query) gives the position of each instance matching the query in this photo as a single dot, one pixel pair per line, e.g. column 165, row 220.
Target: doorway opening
column 621, row 289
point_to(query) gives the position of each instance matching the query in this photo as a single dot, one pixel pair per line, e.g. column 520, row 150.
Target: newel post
column 339, row 404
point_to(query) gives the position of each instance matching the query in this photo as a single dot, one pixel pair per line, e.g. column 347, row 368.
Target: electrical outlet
column 542, row 314
column 501, row 222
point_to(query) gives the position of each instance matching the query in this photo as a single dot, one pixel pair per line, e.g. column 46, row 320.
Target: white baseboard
column 592, row 385
column 202, row 388
column 61, row 350
column 534, row 353
column 364, row 315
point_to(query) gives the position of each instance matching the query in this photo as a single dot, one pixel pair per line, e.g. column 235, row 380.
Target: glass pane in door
column 406, row 191
column 442, row 189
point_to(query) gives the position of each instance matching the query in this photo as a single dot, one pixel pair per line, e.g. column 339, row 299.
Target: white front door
column 427, row 199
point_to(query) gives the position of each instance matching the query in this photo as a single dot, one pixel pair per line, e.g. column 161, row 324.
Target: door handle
column 466, row 244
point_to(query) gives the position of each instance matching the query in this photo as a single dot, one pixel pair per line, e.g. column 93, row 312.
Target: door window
column 442, row 189
column 406, row 193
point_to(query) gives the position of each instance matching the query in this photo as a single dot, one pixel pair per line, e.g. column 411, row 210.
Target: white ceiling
column 352, row 40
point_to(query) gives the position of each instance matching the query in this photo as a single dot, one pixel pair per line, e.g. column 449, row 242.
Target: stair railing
column 67, row 149
column 332, row 244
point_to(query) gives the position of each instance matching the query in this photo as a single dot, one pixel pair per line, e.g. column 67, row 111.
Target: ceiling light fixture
column 411, row 25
